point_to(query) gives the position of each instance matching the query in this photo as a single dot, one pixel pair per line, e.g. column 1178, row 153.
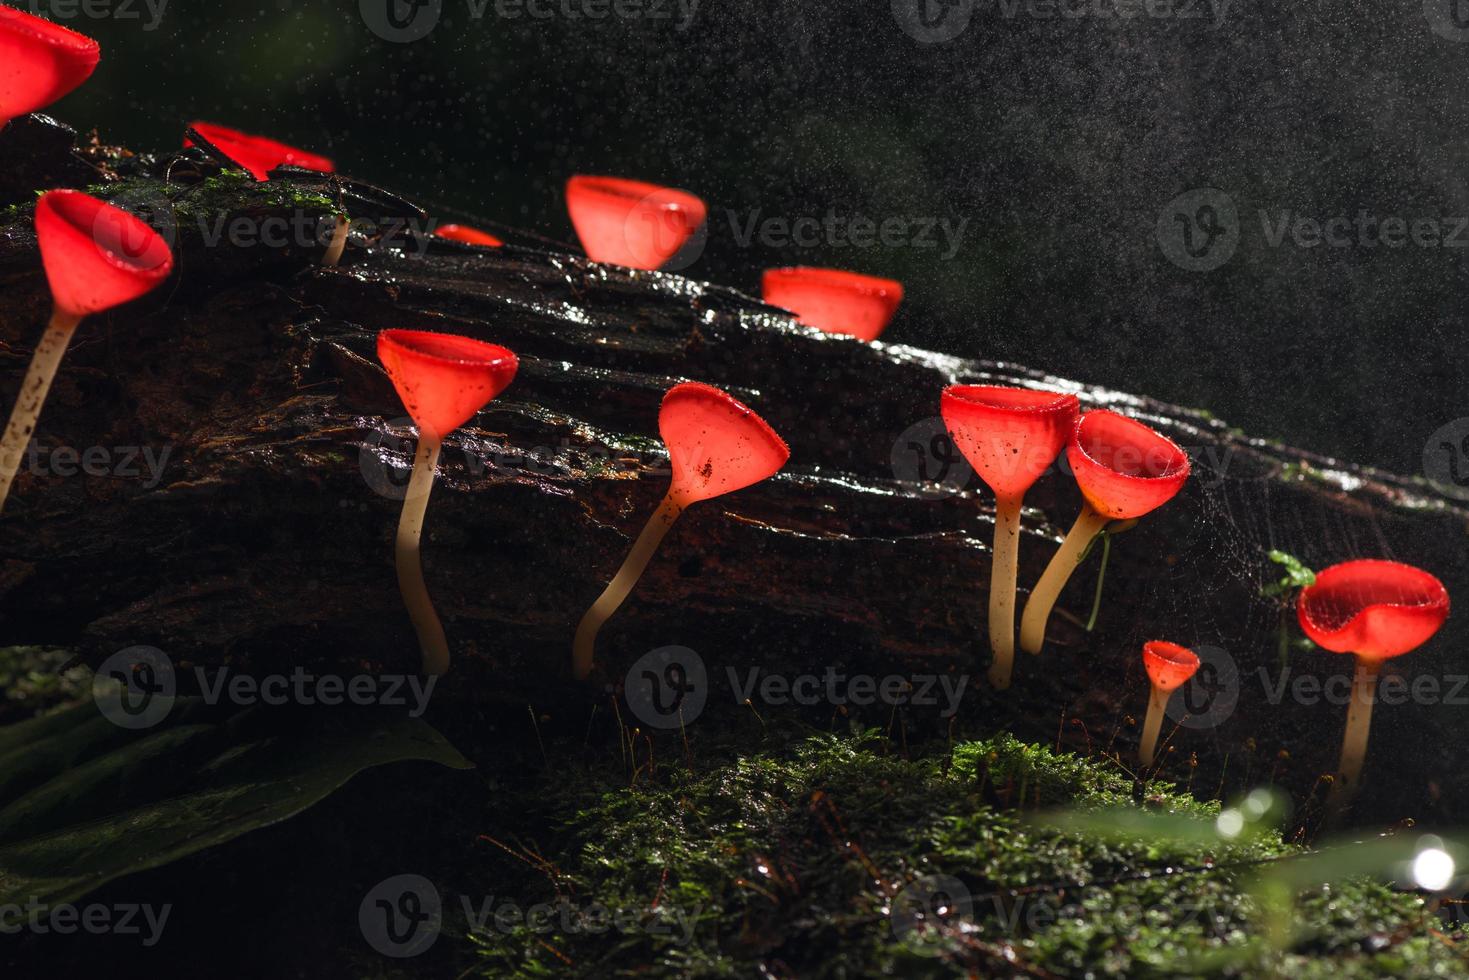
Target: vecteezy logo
column 1210, row 696
column 933, row 21
column 402, row 916
column 134, row 688
column 374, row 459
column 1449, row 19
column 925, row 455
column 1199, row 230
column 1446, row 459
column 401, row 21
column 926, row 905
column 667, row 688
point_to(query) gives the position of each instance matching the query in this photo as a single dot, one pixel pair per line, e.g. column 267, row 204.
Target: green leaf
column 83, row 802
column 1297, row 575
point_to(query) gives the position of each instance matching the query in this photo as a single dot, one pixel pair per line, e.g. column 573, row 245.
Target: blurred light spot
column 1433, row 869
column 1230, row 823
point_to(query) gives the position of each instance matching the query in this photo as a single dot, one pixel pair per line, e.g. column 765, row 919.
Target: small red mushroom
column 1169, row 667
column 443, row 380
column 258, row 154
column 1125, row 470
column 1374, row 610
column 834, row 300
column 39, row 62
column 716, row 445
column 468, row 235
column 96, row 257
column 1010, row 436
column 629, row 222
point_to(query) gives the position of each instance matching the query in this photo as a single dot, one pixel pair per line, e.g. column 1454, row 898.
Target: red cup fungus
column 468, row 235
column 443, row 380
column 39, row 62
column 716, row 446
column 1374, row 610
column 1169, row 667
column 629, row 222
column 1010, row 436
column 834, row 300
column 1125, row 470
column 96, row 257
column 258, row 154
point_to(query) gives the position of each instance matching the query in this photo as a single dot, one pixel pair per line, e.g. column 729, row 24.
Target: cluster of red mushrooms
column 98, row 257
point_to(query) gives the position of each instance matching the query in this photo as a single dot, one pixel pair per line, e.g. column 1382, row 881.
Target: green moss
column 810, row 858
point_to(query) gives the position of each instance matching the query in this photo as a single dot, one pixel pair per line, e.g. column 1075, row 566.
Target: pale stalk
column 338, row 243
column 1354, row 741
column 583, row 646
column 1003, row 573
column 33, row 391
column 431, row 639
column 1157, row 705
column 1043, row 597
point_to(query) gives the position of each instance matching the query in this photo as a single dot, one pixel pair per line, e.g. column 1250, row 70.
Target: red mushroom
column 258, row 154
column 715, row 446
column 834, row 300
column 1125, row 470
column 39, row 62
column 631, row 223
column 1375, row 610
column 96, row 257
column 443, row 380
column 468, row 235
column 1169, row 667
column 1010, row 436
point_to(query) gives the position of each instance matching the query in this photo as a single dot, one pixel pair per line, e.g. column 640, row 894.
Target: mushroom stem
column 1002, row 590
column 1359, row 720
column 1043, row 597
column 1157, row 704
column 33, row 391
column 621, row 585
column 431, row 639
column 338, row 243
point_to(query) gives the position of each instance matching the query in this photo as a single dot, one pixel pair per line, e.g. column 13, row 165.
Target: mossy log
column 265, row 539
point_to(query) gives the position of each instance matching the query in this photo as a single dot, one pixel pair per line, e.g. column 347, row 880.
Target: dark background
column 1061, row 142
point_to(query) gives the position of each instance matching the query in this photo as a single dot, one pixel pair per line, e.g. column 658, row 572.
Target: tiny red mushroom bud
column 1010, row 436
column 716, row 445
column 96, row 257
column 834, row 300
column 468, row 235
column 258, row 154
column 39, row 62
column 1375, row 610
column 443, row 380
column 1125, row 470
column 1169, row 667
column 629, row 222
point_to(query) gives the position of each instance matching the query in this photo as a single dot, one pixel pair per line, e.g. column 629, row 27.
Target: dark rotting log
column 245, row 450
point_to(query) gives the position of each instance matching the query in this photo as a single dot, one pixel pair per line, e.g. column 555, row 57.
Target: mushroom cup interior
column 1009, row 435
column 1169, row 665
column 1375, row 609
column 1124, row 468
column 444, row 379
column 716, row 444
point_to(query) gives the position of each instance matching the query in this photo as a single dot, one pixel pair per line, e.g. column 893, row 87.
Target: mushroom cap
column 259, row 154
column 39, row 62
column 444, row 378
column 1124, row 468
column 716, row 444
column 834, row 300
column 468, row 235
column 629, row 222
column 1374, row 609
column 1009, row 435
column 1169, row 665
column 97, row 256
